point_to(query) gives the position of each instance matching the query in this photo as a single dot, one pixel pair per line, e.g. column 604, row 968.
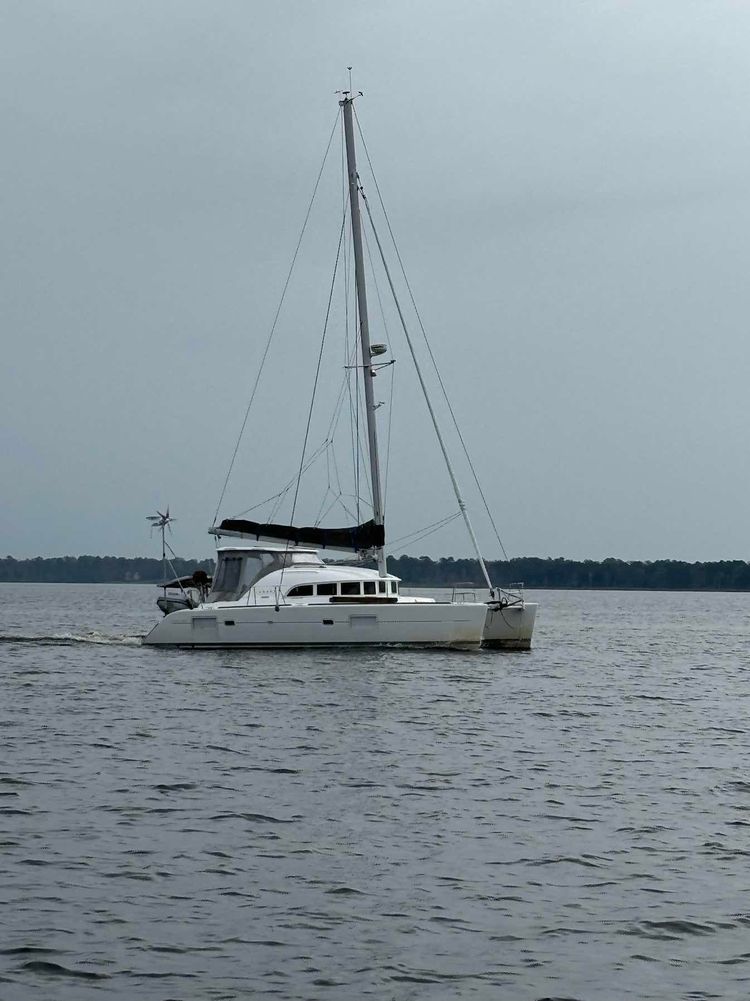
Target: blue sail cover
column 359, row 538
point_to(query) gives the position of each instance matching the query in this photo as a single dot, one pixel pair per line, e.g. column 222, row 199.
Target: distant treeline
column 94, row 569
column 659, row 575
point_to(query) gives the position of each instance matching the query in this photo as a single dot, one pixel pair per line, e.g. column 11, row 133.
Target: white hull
column 510, row 628
column 319, row 625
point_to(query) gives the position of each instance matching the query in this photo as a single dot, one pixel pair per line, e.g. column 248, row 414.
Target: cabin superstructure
column 257, row 575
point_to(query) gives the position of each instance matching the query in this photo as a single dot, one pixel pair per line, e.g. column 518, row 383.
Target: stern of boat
column 509, row 627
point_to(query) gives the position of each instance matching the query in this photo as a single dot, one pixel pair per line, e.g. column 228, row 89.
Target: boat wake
column 72, row 639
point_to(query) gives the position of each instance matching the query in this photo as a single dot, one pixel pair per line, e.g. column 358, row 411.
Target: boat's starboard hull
column 318, row 625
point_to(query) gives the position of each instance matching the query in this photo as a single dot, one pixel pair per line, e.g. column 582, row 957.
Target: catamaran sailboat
column 272, row 589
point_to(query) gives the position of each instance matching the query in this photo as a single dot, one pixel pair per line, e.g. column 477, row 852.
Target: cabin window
column 394, row 587
column 350, row 587
column 227, row 580
column 327, row 588
column 369, row 587
column 304, row 559
column 381, row 587
column 300, row 591
column 257, row 565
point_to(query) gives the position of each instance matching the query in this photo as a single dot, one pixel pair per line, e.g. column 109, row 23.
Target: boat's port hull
column 318, row 625
column 509, row 628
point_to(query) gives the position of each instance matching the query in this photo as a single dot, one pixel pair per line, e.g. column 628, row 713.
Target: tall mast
column 364, row 328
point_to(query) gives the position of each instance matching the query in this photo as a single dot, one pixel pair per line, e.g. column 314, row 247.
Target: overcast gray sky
column 569, row 182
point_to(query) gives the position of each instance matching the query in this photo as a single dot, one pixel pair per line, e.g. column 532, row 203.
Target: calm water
column 573, row 822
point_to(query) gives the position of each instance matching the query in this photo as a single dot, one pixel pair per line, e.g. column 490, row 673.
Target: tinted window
column 326, row 588
column 381, row 587
column 300, row 590
column 350, row 587
column 393, row 587
column 227, row 581
column 256, row 566
column 369, row 587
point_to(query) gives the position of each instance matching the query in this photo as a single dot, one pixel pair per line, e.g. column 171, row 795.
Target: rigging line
column 328, row 489
column 358, row 420
column 362, row 500
column 429, row 529
column 276, row 507
column 390, row 424
column 340, row 400
column 352, row 419
column 321, row 510
column 390, row 348
column 377, row 288
column 338, row 483
column 315, row 386
column 336, row 470
column 330, row 507
column 337, row 407
column 352, row 441
column 338, row 499
column 358, row 444
column 338, row 410
column 388, row 447
column 357, row 476
column 284, row 489
column 276, row 318
column 430, row 408
column 313, row 459
column 426, row 534
column 362, row 447
column 345, row 269
column 441, row 521
column 357, row 417
column 341, row 395
column 351, row 373
column 427, row 342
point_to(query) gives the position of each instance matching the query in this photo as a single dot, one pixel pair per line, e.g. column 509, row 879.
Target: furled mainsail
column 359, row 538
